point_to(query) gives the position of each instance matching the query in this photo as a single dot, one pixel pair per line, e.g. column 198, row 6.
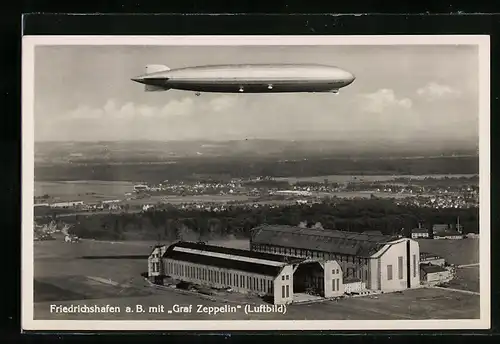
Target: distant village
column 51, row 230
column 265, row 189
column 442, row 231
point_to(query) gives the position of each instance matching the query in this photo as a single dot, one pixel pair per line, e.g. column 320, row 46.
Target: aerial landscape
column 136, row 194
column 119, row 222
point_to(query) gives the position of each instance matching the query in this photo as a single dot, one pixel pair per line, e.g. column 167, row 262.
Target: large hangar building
column 381, row 262
column 276, row 276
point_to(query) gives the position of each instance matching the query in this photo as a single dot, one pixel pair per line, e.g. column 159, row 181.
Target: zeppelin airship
column 248, row 78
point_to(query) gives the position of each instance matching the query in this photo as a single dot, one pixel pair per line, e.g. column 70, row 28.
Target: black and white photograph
column 255, row 182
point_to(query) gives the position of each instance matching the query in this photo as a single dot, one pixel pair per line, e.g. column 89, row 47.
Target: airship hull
column 250, row 79
column 250, row 87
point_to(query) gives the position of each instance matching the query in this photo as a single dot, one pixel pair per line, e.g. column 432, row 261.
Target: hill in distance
column 276, row 149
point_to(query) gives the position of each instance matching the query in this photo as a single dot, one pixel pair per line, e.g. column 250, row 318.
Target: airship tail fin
column 155, row 68
column 153, row 88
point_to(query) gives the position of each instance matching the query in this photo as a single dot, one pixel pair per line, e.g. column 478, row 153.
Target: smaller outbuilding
column 433, row 274
column 156, row 270
column 444, row 231
column 353, row 285
column 450, row 235
column 431, row 258
column 420, row 233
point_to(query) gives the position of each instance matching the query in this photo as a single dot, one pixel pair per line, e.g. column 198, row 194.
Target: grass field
column 364, row 194
column 190, row 199
column 466, row 279
column 56, row 258
column 64, row 275
column 458, row 252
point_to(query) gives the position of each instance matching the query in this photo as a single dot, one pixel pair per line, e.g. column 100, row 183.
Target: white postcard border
column 28, row 70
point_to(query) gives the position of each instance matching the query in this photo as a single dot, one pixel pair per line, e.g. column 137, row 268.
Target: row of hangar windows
column 341, row 259
column 298, row 252
column 226, row 278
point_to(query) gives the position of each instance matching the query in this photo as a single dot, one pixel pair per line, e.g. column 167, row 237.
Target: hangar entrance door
column 309, row 278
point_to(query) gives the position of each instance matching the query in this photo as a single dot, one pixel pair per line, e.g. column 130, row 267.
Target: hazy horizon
column 299, row 140
column 402, row 94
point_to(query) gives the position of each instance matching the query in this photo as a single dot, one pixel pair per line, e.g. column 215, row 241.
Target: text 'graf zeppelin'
column 175, row 309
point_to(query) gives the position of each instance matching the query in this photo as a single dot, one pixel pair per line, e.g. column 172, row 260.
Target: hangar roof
column 229, row 258
column 333, row 241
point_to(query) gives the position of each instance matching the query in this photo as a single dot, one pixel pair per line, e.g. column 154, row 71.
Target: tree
column 170, row 229
column 318, row 225
column 353, row 215
column 214, row 225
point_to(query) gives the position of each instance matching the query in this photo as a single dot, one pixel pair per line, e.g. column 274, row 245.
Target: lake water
column 82, row 187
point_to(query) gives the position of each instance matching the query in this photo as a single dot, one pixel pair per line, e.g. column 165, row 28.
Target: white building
column 109, row 201
column 420, row 233
column 66, row 204
column 472, row 236
column 293, row 192
column 431, row 258
column 146, row 207
column 433, row 274
column 383, row 263
column 275, row 276
column 141, row 187
column 354, row 285
column 156, row 271
column 449, row 234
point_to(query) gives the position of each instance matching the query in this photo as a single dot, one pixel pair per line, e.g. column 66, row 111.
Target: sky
column 406, row 93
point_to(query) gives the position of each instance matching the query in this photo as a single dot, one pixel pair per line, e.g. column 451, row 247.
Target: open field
column 457, row 252
column 466, row 279
column 215, row 199
column 58, row 251
column 87, row 258
column 190, row 199
column 87, row 274
column 363, row 194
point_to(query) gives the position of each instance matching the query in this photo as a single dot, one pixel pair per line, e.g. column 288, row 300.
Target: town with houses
column 264, row 189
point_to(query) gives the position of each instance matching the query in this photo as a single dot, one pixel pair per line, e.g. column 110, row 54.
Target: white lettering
column 72, row 309
column 182, row 309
